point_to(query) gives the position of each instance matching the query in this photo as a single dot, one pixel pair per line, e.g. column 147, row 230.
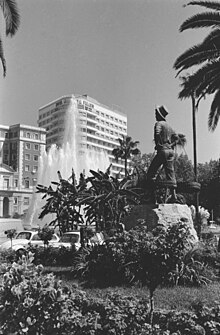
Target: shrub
column 35, row 304
column 136, row 256
column 8, row 256
column 51, row 256
column 30, row 302
column 46, row 234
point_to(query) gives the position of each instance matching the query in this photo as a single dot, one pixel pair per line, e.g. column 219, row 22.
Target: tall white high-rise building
column 99, row 126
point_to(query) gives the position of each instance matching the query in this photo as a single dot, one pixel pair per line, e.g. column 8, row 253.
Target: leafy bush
column 133, row 256
column 35, row 304
column 8, row 256
column 51, row 256
column 46, row 234
column 31, row 303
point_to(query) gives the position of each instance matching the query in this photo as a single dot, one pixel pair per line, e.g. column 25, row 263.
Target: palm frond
column 208, row 78
column 200, row 81
column 212, row 38
column 195, row 56
column 11, row 15
column 214, row 113
column 2, row 58
column 215, row 5
column 201, row 20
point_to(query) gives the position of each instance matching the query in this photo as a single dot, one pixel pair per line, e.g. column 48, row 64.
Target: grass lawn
column 177, row 298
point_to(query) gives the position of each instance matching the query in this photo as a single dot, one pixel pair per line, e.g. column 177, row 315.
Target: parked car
column 25, row 238
column 74, row 238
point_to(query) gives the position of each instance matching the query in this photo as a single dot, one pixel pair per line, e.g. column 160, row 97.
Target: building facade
column 99, row 126
column 20, row 149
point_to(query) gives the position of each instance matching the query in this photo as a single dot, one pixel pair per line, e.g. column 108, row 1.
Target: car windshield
column 24, row 235
column 70, row 238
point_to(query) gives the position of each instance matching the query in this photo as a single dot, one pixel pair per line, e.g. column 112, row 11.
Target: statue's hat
column 161, row 110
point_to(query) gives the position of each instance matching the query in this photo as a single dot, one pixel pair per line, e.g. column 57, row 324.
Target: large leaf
column 201, row 20
column 214, row 112
column 215, row 5
column 11, row 16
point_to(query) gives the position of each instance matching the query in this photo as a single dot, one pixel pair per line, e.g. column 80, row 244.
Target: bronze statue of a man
column 165, row 140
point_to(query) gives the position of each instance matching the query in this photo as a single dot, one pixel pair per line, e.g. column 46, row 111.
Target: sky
column 119, row 52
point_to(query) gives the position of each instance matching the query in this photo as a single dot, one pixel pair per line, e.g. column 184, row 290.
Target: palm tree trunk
column 126, row 163
column 194, row 110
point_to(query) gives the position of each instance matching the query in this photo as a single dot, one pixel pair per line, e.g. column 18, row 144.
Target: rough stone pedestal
column 163, row 214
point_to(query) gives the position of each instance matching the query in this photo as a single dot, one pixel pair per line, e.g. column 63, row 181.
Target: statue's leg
column 156, row 163
column 169, row 171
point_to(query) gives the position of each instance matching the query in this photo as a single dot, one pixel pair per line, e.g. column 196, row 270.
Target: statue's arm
column 157, row 131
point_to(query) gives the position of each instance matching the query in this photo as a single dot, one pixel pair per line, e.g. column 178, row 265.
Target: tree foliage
column 127, row 148
column 204, row 59
column 12, row 21
column 99, row 198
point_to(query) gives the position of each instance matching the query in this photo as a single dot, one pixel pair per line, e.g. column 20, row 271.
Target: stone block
column 163, row 214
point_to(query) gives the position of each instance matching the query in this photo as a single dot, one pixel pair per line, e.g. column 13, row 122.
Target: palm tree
column 205, row 57
column 127, row 148
column 12, row 21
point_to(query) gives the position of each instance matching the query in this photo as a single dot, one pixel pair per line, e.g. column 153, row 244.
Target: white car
column 25, row 238
column 73, row 238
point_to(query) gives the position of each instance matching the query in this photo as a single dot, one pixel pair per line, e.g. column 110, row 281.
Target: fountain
column 63, row 159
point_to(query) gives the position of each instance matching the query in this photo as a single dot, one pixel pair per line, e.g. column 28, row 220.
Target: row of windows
column 26, row 201
column 103, row 143
column 13, row 134
column 27, row 168
column 6, row 183
column 55, row 131
column 28, row 134
column 84, row 130
column 83, row 104
column 112, row 125
column 107, row 116
column 45, row 115
column 29, row 146
column 27, row 182
column 27, row 157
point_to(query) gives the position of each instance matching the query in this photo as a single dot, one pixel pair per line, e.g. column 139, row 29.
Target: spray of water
column 63, row 159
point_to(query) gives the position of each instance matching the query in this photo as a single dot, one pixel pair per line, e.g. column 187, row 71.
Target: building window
column 26, row 183
column 15, row 201
column 28, row 135
column 5, row 158
column 6, row 183
column 27, row 146
column 35, row 168
column 35, row 158
column 27, row 168
column 36, row 147
column 36, row 136
column 27, row 157
column 26, row 201
column 16, row 183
